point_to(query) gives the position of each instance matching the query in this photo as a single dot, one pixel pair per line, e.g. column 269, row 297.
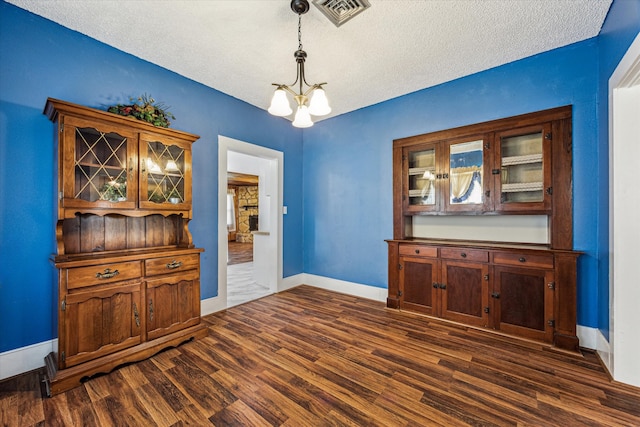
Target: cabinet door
column 523, row 302
column 99, row 321
column 418, row 284
column 173, row 303
column 99, row 167
column 466, row 176
column 523, row 181
column 421, row 186
column 465, row 292
column 165, row 180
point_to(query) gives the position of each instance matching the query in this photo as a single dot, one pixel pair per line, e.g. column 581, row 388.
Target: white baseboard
column 588, row 337
column 350, row 288
column 604, row 351
column 291, row 282
column 25, row 359
column 211, row 305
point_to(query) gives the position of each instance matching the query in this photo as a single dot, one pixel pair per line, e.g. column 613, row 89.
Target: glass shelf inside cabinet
column 522, row 169
column 422, row 168
column 165, row 173
column 100, row 166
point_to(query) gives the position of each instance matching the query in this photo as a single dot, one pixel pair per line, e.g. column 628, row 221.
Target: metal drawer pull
column 463, row 255
column 108, row 274
column 174, row 264
column 417, row 251
column 522, row 259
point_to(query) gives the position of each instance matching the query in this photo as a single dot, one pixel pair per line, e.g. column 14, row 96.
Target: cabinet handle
column 417, row 251
column 436, row 285
column 522, row 259
column 463, row 255
column 135, row 313
column 151, row 309
column 495, row 295
column 445, row 175
column 442, row 286
column 174, row 264
column 108, row 274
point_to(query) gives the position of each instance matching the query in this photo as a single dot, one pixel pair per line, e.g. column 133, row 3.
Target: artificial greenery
column 114, row 190
column 145, row 108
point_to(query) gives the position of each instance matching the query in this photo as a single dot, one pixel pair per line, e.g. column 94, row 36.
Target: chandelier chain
column 299, row 32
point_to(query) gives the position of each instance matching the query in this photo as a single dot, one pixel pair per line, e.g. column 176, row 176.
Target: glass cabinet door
column 421, row 179
column 164, row 174
column 102, row 161
column 524, row 178
column 466, row 175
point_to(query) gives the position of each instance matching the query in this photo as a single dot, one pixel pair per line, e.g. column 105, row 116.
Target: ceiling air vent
column 340, row 11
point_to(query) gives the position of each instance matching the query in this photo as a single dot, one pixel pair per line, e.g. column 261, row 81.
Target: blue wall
column 40, row 59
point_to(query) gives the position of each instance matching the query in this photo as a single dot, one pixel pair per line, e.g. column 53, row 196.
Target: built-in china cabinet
column 514, row 166
column 127, row 272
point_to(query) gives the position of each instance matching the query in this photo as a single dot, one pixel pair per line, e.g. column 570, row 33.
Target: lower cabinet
column 449, row 289
column 523, row 302
column 173, row 303
column 100, row 321
column 122, row 308
column 509, row 289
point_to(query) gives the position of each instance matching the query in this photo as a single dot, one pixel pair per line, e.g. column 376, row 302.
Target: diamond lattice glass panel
column 100, row 166
column 165, row 173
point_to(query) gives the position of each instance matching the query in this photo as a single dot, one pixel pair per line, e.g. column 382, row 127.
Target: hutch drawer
column 164, row 265
column 465, row 254
column 81, row 277
column 420, row 250
column 523, row 259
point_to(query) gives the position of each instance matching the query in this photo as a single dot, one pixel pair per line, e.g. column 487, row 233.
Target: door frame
column 621, row 351
column 273, row 179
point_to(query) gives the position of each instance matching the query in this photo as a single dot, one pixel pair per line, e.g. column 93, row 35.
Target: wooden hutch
column 514, row 166
column 127, row 272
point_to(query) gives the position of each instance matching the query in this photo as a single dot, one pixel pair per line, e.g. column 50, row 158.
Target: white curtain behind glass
column 231, row 211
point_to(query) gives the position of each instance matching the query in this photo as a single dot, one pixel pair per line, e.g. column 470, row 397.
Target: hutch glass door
column 163, row 179
column 421, row 179
column 102, row 161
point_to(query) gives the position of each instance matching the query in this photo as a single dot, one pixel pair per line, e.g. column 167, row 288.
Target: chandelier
column 318, row 104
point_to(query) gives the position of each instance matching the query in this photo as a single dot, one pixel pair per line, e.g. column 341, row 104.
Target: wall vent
column 340, row 11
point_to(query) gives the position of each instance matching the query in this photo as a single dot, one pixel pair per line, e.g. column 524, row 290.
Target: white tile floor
column 241, row 287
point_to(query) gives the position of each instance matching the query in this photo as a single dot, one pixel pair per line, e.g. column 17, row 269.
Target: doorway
column 240, row 158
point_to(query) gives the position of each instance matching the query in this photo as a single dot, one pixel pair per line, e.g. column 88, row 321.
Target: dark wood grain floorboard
column 309, row 357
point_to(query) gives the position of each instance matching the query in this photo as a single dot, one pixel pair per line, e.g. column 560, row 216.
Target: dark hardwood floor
column 240, row 253
column 309, row 357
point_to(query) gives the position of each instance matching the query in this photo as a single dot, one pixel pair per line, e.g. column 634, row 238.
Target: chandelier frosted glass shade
column 319, row 104
column 303, row 118
column 280, row 104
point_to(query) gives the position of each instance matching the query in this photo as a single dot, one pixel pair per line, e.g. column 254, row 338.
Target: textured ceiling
column 392, row 48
